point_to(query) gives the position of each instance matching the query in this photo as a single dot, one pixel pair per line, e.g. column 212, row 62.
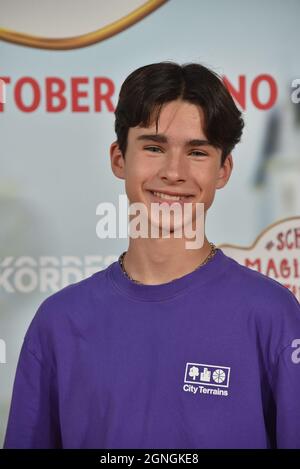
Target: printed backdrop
column 62, row 64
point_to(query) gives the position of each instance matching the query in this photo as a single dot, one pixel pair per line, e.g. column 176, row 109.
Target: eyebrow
column 160, row 138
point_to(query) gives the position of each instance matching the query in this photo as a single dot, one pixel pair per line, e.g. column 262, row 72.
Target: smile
column 162, row 195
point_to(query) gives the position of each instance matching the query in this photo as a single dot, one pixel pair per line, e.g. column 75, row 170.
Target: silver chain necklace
column 208, row 258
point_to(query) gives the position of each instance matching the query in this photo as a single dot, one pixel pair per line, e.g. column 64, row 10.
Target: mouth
column 170, row 198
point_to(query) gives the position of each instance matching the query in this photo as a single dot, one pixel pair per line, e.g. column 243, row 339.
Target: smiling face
column 176, row 160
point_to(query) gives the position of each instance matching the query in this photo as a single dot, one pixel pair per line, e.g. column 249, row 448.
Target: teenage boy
column 168, row 347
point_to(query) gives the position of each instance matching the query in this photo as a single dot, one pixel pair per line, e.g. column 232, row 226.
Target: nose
column 174, row 168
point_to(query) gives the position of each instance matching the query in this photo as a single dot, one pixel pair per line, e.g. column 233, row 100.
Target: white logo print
column 206, row 379
column 219, row 376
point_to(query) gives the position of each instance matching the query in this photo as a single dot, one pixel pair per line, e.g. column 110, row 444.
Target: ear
column 225, row 172
column 117, row 161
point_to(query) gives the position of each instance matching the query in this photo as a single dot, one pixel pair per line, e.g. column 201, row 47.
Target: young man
column 169, row 347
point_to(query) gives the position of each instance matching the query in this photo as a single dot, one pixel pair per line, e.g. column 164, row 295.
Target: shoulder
column 258, row 289
column 73, row 295
column 272, row 308
column 65, row 311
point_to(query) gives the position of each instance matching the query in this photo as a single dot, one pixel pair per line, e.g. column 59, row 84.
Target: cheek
column 137, row 175
column 207, row 180
column 140, row 170
column 206, row 177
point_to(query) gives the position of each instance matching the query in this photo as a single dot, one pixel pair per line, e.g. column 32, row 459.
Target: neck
column 159, row 260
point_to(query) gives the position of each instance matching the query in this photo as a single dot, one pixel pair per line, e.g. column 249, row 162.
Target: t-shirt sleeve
column 286, row 384
column 33, row 417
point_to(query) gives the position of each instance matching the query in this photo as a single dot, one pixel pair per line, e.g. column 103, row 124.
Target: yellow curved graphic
column 84, row 39
column 258, row 238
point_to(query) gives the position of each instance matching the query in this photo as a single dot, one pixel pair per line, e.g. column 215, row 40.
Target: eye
column 153, row 149
column 198, row 153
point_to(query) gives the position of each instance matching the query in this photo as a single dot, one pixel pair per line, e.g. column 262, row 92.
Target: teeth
column 166, row 196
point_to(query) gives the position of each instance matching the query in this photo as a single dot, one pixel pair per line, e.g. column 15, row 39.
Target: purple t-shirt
column 210, row 360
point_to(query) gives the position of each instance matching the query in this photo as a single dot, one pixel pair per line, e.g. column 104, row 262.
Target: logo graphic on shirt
column 206, row 379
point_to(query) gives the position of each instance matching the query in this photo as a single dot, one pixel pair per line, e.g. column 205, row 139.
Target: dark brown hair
column 148, row 88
